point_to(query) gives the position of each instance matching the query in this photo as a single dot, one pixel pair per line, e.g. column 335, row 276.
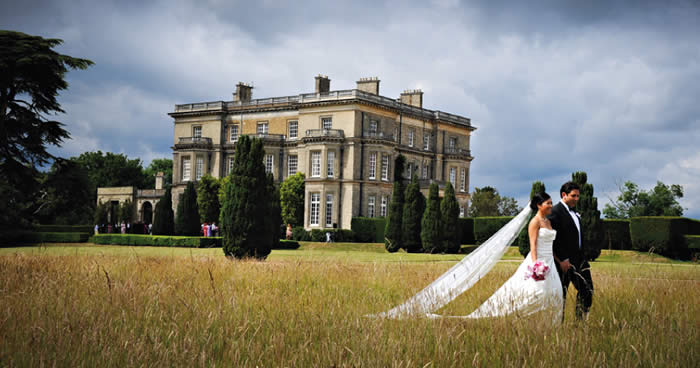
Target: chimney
column 412, row 97
column 159, row 180
column 369, row 85
column 323, row 84
column 244, row 92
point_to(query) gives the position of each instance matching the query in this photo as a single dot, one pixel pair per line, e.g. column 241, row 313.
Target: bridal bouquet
column 537, row 271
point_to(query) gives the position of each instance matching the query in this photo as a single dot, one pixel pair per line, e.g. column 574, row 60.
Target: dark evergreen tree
column 101, row 214
column 274, row 215
column 431, row 225
column 393, row 238
column 163, row 223
column 593, row 234
column 399, row 165
column 208, row 199
column 449, row 212
column 523, row 238
column 126, row 211
column 187, row 222
column 413, row 208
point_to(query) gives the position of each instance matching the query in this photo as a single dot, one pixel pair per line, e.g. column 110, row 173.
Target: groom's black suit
column 566, row 246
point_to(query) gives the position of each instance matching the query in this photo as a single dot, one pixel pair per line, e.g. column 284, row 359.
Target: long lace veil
column 463, row 275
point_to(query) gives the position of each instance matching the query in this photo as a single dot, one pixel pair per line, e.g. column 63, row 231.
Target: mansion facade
column 344, row 141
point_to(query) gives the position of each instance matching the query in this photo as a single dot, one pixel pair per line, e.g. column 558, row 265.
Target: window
column 234, row 133
column 461, row 211
column 293, row 129
column 331, row 163
column 316, row 164
column 462, row 180
column 199, row 169
column 373, row 127
column 262, row 128
column 230, row 164
column 411, row 133
column 197, row 132
column 426, row 142
column 370, row 206
column 186, row 169
column 409, row 170
column 292, row 161
column 329, row 209
column 315, row 204
column 373, row 165
column 269, row 160
column 382, row 209
column 327, row 123
column 452, row 143
column 453, row 176
column 385, row 167
column 425, row 171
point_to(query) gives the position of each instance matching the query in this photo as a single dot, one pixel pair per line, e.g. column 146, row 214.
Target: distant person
column 289, row 232
column 97, row 229
column 214, row 229
column 328, row 237
column 150, row 229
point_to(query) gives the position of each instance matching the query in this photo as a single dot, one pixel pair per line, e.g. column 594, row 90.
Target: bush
column 368, row 229
column 337, row 235
column 158, row 240
column 287, row 244
column 318, row 235
column 617, row 234
column 662, row 234
column 31, row 237
column 466, row 225
column 65, row 228
column 693, row 243
column 300, row 234
column 485, row 227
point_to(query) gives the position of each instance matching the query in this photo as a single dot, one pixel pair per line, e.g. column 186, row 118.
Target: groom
column 568, row 247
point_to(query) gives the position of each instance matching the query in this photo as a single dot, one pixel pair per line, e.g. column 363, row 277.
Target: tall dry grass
column 208, row 311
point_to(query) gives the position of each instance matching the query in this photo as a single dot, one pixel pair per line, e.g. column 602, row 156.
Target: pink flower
column 537, row 271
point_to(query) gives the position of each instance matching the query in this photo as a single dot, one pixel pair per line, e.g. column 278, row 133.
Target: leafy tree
column 431, row 224
column 413, row 208
column 208, row 199
column 126, row 211
column 164, row 165
column 392, row 233
column 163, row 223
column 508, row 206
column 292, row 199
column 449, row 212
column 487, row 202
column 523, row 238
column 112, row 170
column 593, row 235
column 32, row 75
column 662, row 200
column 65, row 196
column 187, row 216
column 244, row 226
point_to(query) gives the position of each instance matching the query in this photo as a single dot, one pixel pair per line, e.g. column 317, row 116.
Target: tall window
column 292, row 163
column 373, row 127
column 316, row 164
column 331, row 163
column 230, row 164
column 262, row 128
column 409, row 170
column 453, row 176
column 293, row 129
column 370, row 206
column 461, row 211
column 373, row 165
column 327, row 123
column 269, row 160
column 329, row 209
column 199, row 168
column 197, row 132
column 426, row 142
column 452, row 143
column 411, row 133
column 234, row 133
column 385, row 167
column 382, row 209
column 186, row 169
column 315, row 206
column 425, row 171
column 462, row 180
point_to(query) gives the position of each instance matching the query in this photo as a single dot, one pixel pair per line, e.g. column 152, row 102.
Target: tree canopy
column 292, row 199
column 487, row 202
column 208, row 199
column 164, row 165
column 662, row 200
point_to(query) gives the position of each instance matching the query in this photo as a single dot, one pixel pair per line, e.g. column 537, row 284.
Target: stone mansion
column 344, row 141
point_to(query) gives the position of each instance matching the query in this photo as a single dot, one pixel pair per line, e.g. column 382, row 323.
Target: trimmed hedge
column 663, row 234
column 368, row 229
column 617, row 234
column 65, row 228
column 300, row 234
column 32, row 237
column 485, row 227
column 287, row 244
column 337, row 235
column 158, row 240
column 466, row 225
column 693, row 243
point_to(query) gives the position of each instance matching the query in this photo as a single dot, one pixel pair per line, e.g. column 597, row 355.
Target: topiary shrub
column 485, row 227
column 287, row 244
column 617, row 234
column 300, row 234
column 158, row 240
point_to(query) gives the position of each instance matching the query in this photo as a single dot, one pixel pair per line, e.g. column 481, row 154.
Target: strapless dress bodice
column 545, row 238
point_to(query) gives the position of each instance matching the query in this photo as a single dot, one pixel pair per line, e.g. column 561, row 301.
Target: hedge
column 158, row 240
column 368, row 229
column 617, row 234
column 663, row 234
column 32, row 237
column 337, row 235
column 287, row 244
column 466, row 225
column 693, row 243
column 65, row 228
column 485, row 227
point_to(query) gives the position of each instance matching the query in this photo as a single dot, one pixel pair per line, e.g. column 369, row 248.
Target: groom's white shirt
column 574, row 216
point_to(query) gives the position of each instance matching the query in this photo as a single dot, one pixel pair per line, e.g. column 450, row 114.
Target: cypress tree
column 163, row 223
column 413, row 208
column 208, row 199
column 179, row 219
column 392, row 232
column 431, row 225
column 274, row 216
column 523, row 237
column 587, row 207
column 187, row 222
column 449, row 212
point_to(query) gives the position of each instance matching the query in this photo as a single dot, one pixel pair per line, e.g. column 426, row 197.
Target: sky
column 606, row 87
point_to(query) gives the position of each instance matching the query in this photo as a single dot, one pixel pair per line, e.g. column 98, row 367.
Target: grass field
column 86, row 305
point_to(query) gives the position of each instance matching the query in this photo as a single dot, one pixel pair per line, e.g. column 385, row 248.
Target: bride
column 535, row 286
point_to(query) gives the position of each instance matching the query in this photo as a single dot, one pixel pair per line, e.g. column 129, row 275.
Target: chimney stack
column 369, row 85
column 159, row 180
column 244, row 92
column 323, row 84
column 413, row 97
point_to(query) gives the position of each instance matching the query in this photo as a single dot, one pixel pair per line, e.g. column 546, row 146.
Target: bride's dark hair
column 538, row 199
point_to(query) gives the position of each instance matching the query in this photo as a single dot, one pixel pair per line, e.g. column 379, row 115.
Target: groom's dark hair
column 568, row 187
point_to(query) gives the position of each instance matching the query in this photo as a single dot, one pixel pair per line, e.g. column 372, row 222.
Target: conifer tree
column 187, row 222
column 431, row 225
column 587, row 207
column 274, row 216
column 163, row 223
column 392, row 232
column 449, row 212
column 413, row 208
column 208, row 199
column 523, row 238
